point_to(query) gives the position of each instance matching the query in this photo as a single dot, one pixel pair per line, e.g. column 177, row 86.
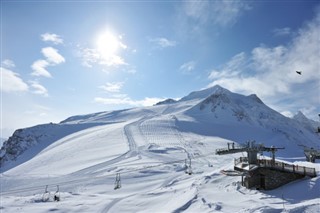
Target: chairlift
column 185, row 164
column 188, row 167
column 117, row 183
column 46, row 195
column 56, row 196
column 189, row 171
column 318, row 129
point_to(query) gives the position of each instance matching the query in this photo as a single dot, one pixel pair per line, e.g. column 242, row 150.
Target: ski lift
column 188, row 167
column 117, row 183
column 56, row 196
column 185, row 164
column 318, row 129
column 46, row 195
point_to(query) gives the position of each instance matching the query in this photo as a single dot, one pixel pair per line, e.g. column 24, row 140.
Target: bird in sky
column 299, row 72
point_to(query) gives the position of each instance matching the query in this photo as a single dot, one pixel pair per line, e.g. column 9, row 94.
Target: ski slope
column 148, row 148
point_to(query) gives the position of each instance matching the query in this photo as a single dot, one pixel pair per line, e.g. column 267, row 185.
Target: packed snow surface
column 149, row 148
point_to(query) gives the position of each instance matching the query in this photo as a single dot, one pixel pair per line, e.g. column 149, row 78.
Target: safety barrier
column 307, row 171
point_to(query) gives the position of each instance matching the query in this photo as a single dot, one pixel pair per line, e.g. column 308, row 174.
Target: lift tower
column 311, row 154
column 252, row 149
column 264, row 173
column 318, row 129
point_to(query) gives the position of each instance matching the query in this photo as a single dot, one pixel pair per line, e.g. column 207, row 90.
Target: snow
column 148, row 147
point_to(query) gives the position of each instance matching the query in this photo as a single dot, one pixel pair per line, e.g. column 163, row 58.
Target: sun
column 107, row 44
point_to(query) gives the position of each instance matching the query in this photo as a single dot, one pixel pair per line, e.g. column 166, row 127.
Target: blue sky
column 63, row 58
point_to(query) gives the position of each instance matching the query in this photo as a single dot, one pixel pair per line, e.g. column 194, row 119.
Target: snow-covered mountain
column 306, row 122
column 167, row 101
column 148, row 146
column 233, row 112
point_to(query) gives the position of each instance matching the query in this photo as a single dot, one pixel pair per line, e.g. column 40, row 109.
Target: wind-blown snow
column 148, row 147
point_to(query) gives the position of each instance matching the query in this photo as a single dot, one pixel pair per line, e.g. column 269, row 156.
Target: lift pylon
column 46, row 195
column 117, row 183
column 188, row 166
column 318, row 129
column 311, row 154
column 56, row 196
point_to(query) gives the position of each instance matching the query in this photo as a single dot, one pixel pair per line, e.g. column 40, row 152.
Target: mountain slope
column 234, row 111
column 307, row 123
column 148, row 146
column 212, row 112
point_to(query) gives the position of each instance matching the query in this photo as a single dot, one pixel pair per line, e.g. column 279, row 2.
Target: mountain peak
column 202, row 94
column 255, row 98
column 225, row 106
column 300, row 117
column 167, row 101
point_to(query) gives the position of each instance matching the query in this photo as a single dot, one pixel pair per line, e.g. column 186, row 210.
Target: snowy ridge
column 202, row 94
column 307, row 123
column 148, row 147
column 167, row 101
column 39, row 137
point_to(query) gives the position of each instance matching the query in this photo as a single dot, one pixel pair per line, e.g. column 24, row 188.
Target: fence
column 281, row 166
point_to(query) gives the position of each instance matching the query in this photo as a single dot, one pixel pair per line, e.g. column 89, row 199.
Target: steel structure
column 311, row 154
column 251, row 147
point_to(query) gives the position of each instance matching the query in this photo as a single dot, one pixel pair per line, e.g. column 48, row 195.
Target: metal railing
column 296, row 169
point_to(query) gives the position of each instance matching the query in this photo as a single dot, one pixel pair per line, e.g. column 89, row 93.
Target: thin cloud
column 38, row 89
column 270, row 71
column 163, row 42
column 220, row 13
column 38, row 111
column 11, row 81
column 106, row 52
column 91, row 56
column 39, row 68
column 117, row 98
column 132, row 71
column 127, row 101
column 232, row 68
column 114, row 87
column 150, row 101
column 282, row 31
column 188, row 66
column 52, row 55
column 113, row 60
column 115, row 101
column 54, row 38
column 7, row 63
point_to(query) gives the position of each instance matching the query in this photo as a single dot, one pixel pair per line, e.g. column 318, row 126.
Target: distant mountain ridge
column 167, row 101
column 214, row 111
column 306, row 122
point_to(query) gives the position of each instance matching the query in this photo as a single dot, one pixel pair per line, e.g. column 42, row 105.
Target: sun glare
column 107, row 44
